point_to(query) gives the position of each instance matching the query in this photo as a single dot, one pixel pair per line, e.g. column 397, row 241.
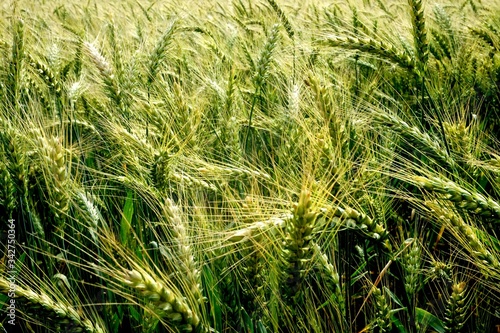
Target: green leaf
column 213, row 296
column 425, row 318
column 393, row 297
column 19, row 263
column 135, row 314
column 4, row 299
column 260, row 328
column 247, row 321
column 128, row 212
column 398, row 324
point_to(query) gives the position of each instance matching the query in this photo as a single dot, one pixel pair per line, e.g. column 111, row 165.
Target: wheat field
column 250, row 166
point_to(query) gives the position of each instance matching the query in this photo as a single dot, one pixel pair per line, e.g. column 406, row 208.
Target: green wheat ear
column 266, row 57
column 471, row 201
column 111, row 85
column 170, row 305
column 419, row 33
column 47, row 75
column 8, row 192
column 42, row 307
column 262, row 69
column 158, row 55
column 456, row 309
column 58, row 189
column 424, row 141
column 376, row 48
column 326, row 268
column 382, row 311
column 284, row 19
column 298, row 250
column 14, row 82
column 183, row 112
column 475, row 245
column 181, row 240
column 412, row 261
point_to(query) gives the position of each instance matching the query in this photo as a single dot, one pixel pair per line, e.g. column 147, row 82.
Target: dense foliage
column 250, row 166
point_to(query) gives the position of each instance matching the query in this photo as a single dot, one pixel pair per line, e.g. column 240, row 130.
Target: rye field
column 250, row 166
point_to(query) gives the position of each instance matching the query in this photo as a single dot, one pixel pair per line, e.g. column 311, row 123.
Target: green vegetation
column 250, row 166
